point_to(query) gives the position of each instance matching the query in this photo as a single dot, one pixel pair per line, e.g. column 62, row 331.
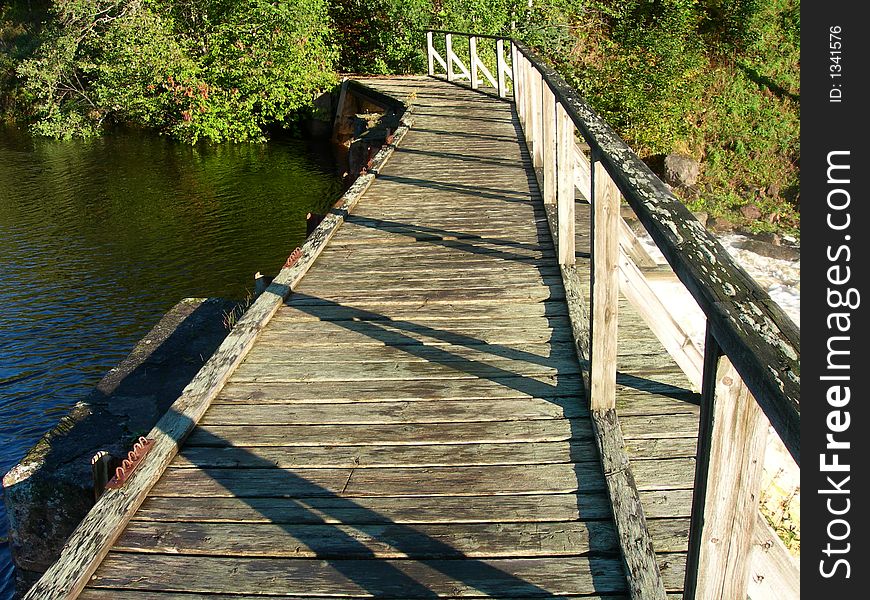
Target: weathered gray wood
column 755, row 332
column 605, row 290
column 501, row 68
column 647, row 576
column 409, row 391
column 582, row 173
column 774, row 572
column 524, row 508
column 407, row 334
column 393, row 412
column 339, row 456
column 398, row 481
column 732, row 441
column 659, row 318
column 535, row 89
column 413, row 434
column 549, row 145
column 512, row 577
column 565, row 186
column 644, row 577
column 461, row 369
column 92, row 539
column 422, row 541
column 552, row 353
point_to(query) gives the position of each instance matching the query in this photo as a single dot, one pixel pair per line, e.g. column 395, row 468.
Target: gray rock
column 681, row 171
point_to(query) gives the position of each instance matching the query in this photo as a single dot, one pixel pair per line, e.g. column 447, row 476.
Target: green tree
column 213, row 69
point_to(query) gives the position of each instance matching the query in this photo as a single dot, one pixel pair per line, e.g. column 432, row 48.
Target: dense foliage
column 714, row 79
column 215, row 69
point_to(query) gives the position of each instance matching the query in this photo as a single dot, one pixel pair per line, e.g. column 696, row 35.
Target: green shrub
column 206, row 69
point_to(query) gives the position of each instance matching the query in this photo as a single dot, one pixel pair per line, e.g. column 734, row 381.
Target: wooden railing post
column 527, row 101
column 430, row 52
column 500, row 67
column 448, row 42
column 731, row 442
column 565, row 184
column 472, row 57
column 549, row 142
column 519, row 88
column 605, row 288
column 535, row 120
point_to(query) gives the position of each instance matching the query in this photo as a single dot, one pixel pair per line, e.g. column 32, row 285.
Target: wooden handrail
column 751, row 362
column 760, row 339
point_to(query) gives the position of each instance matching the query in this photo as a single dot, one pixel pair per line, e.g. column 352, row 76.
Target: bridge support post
column 536, row 119
column 472, row 58
column 549, row 141
column 731, row 442
column 430, row 52
column 448, row 40
column 500, row 66
column 605, row 288
column 527, row 103
column 565, row 184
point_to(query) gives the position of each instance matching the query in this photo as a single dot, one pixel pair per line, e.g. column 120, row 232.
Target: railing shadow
column 474, row 191
column 467, row 158
column 343, row 552
column 437, row 236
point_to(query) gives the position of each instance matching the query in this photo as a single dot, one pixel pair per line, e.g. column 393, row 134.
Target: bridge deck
column 411, row 423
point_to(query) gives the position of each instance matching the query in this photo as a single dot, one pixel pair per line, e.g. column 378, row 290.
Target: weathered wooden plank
column 531, row 577
column 392, row 371
column 385, row 540
column 549, row 126
column 645, row 579
column 565, row 187
column 399, row 481
column 553, row 352
column 774, row 572
column 661, row 320
column 494, row 432
column 605, row 290
column 338, row 456
column 519, row 314
column 393, row 412
column 635, row 427
column 406, row 391
column 409, row 510
column 556, row 356
column 660, row 448
column 664, row 474
column 647, row 576
column 375, row 334
column 731, row 448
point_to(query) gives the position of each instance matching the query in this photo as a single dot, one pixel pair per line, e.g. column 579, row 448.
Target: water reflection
column 99, row 238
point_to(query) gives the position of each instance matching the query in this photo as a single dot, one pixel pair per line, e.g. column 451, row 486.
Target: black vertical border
column 825, row 127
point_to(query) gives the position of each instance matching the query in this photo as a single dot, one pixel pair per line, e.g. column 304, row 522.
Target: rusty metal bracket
column 134, row 457
column 294, row 256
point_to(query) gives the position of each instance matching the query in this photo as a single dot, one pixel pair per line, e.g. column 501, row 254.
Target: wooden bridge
column 446, row 406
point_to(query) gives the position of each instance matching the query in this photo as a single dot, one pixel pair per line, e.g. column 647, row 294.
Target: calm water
column 99, row 238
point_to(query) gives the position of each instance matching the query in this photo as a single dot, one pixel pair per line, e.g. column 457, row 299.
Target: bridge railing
column 749, row 365
column 453, row 60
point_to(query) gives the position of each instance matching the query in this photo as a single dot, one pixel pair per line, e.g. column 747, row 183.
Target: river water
column 99, row 238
